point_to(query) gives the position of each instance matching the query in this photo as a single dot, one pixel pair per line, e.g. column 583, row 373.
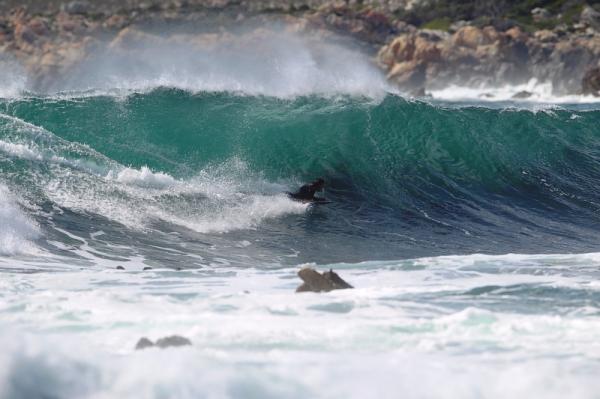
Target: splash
column 13, row 78
column 270, row 62
column 16, row 230
column 533, row 91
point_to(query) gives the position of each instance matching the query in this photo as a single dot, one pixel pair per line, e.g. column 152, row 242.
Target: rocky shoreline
column 49, row 42
column 419, row 59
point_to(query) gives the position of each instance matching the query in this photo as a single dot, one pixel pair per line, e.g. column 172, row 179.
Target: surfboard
column 316, row 201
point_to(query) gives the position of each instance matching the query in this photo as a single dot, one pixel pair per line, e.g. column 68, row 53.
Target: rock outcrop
column 473, row 56
column 590, row 83
column 49, row 39
column 313, row 281
column 590, row 17
column 165, row 342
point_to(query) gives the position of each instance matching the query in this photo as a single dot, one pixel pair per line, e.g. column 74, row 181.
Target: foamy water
column 447, row 327
column 532, row 92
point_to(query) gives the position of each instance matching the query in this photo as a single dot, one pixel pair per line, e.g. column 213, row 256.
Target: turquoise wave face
column 406, row 178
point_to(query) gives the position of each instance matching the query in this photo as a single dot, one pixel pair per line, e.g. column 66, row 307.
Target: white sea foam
column 225, row 197
column 52, row 368
column 16, row 229
column 416, row 331
column 20, row 151
column 212, row 201
column 538, row 92
column 142, row 177
column 248, row 213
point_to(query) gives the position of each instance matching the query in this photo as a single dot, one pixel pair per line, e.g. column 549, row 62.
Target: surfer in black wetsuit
column 307, row 191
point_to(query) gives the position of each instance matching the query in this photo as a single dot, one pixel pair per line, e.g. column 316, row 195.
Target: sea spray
column 261, row 61
column 18, row 230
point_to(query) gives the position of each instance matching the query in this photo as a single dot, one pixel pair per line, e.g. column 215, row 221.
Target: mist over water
column 13, row 78
column 469, row 229
column 254, row 61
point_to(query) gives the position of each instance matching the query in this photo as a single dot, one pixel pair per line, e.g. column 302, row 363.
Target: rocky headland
column 419, row 44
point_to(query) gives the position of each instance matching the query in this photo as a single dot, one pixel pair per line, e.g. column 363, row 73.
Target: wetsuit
column 305, row 193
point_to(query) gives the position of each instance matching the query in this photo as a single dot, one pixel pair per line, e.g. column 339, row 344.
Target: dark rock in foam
column 313, row 281
column 165, row 342
column 144, row 343
column 173, row 340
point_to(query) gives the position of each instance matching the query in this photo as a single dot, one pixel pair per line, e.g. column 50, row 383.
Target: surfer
column 307, row 191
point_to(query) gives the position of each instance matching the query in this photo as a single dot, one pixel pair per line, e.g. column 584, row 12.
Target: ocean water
column 469, row 229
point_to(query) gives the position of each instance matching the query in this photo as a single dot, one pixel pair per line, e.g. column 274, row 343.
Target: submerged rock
column 165, row 342
column 313, row 281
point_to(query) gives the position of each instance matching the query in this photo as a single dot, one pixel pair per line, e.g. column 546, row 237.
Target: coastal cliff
column 420, row 45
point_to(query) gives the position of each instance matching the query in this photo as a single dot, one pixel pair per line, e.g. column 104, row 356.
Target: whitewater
column 145, row 196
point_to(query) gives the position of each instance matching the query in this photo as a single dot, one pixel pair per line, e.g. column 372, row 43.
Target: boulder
column 23, row 34
column 516, row 34
column 401, row 48
column 491, row 34
column 545, row 36
column 425, row 50
column 165, row 342
column 455, row 26
column 590, row 17
column 488, row 52
column 70, row 23
column 469, row 36
column 540, row 14
column 590, row 83
column 38, row 26
column 144, row 343
column 313, row 281
column 173, row 340
column 77, row 7
column 409, row 74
